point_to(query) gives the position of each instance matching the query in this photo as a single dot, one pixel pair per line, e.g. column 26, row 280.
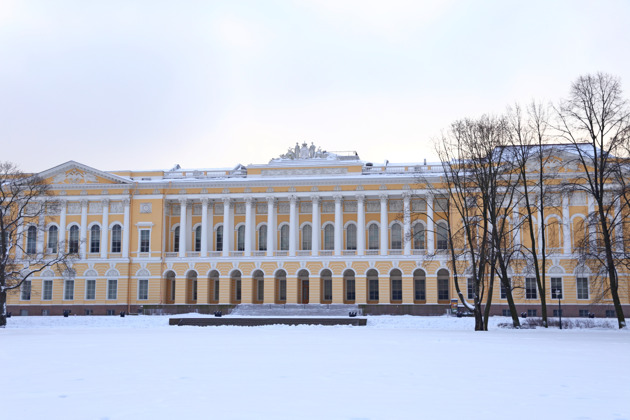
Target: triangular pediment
column 75, row 173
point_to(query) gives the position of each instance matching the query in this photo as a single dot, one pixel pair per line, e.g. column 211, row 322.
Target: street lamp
column 559, row 296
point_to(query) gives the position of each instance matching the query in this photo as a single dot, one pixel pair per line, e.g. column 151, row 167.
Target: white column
column 19, row 240
column 62, row 228
column 566, row 224
column 271, row 226
column 126, row 229
column 104, row 228
column 248, row 226
column 41, row 233
column 540, row 228
column 316, row 226
column 360, row 225
column 204, row 227
column 430, row 225
column 516, row 221
column 338, row 224
column 293, row 225
column 83, row 230
column 406, row 224
column 210, row 228
column 228, row 229
column 183, row 230
column 591, row 226
column 384, row 225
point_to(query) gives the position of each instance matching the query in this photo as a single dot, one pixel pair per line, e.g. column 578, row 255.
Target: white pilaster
column 83, row 230
column 338, row 224
column 591, row 226
column 204, row 228
column 271, row 226
column 406, row 224
column 126, row 229
column 228, row 228
column 430, row 225
column 360, row 224
column 316, row 226
column 105, row 228
column 384, row 225
column 61, row 248
column 516, row 220
column 183, row 223
column 566, row 225
column 41, row 234
column 248, row 226
column 293, row 225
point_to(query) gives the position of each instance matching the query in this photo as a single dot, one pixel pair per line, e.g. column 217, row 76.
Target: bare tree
column 24, row 203
column 595, row 121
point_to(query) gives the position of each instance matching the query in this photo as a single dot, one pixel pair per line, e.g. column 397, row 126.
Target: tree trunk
column 3, row 308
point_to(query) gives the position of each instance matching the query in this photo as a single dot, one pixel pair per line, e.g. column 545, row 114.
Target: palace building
column 309, row 227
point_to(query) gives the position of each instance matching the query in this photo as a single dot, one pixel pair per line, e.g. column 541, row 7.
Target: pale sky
column 148, row 84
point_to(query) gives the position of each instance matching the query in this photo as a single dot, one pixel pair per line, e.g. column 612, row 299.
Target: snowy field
column 403, row 367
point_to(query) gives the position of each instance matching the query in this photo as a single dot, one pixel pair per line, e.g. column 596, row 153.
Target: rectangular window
column 47, row 288
column 471, row 289
column 556, row 288
column 216, row 290
column 173, row 289
column 396, row 289
column 112, row 289
column 237, row 290
column 260, row 289
column 25, row 290
column 557, row 312
column 350, row 292
column 88, row 312
column 95, row 242
column 582, row 287
column 145, row 240
column 532, row 312
column 610, row 313
column 583, row 313
column 530, row 288
column 443, row 288
column 282, row 290
column 506, row 312
column 90, row 289
column 110, row 312
column 220, row 238
column 143, row 289
column 52, row 240
column 503, row 288
column 68, row 290
column 420, row 293
column 116, row 239
column 194, row 290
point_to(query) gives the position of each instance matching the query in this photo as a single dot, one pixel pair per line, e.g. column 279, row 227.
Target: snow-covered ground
column 401, row 367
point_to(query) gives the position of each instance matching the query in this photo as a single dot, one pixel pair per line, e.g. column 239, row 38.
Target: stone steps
column 316, row 310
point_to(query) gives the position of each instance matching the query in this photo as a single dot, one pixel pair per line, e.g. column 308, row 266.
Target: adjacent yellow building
column 309, row 227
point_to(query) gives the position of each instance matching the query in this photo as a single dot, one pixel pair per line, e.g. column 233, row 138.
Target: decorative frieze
column 261, row 208
column 239, row 208
column 372, row 206
column 74, row 207
column 95, row 207
column 196, row 208
column 218, row 209
column 116, row 207
column 395, row 205
column 419, row 205
column 146, row 207
column 283, row 207
column 328, row 207
column 306, row 207
column 349, row 206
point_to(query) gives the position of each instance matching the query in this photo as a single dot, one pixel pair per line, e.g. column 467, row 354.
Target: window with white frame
column 503, row 288
column 329, row 237
column 31, row 240
column 240, row 238
column 25, row 290
column 219, row 239
column 442, row 235
column 90, row 289
column 471, row 288
column 530, row 288
column 351, row 237
column 53, row 240
column 373, row 236
column 307, row 237
column 372, row 279
column 556, row 288
column 176, row 239
column 582, row 287
column 112, row 289
column 95, row 239
column 442, row 283
column 418, row 236
column 284, row 238
column 68, row 289
column 396, row 236
column 116, row 239
column 145, row 240
column 419, row 285
column 198, row 239
column 47, row 289
column 73, row 240
column 262, row 238
column 396, row 285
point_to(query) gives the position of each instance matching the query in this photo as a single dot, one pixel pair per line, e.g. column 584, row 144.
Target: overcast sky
column 148, row 84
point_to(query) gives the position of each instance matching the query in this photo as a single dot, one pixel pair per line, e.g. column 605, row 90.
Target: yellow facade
column 310, row 228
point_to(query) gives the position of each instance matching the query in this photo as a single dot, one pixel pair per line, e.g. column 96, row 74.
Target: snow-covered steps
column 318, row 310
column 260, row 321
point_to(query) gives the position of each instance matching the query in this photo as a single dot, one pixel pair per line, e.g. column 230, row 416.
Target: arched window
column 349, row 285
column 395, row 278
column 329, row 237
column 259, row 286
column 419, row 285
column 442, row 235
column 53, row 239
column 326, row 279
column 73, row 240
column 176, row 239
column 31, row 240
column 351, row 236
column 262, row 238
column 372, row 279
column 198, row 239
column 442, row 284
column 284, row 238
column 307, row 237
column 418, row 236
column 240, row 238
column 116, row 238
column 281, row 286
column 396, row 236
column 373, row 236
column 236, row 286
column 95, row 239
column 219, row 240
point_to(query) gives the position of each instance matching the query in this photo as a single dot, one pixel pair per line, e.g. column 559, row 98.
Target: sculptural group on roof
column 304, row 152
